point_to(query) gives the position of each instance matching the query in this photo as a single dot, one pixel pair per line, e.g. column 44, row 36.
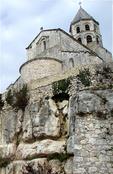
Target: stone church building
column 63, row 123
column 54, row 51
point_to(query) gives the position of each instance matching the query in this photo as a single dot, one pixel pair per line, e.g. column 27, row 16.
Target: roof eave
column 72, row 23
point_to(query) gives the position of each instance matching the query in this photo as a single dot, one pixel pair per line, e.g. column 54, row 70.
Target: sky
column 20, row 22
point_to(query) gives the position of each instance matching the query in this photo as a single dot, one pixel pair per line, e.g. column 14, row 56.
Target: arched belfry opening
column 89, row 39
column 97, row 39
column 80, row 40
column 78, row 29
column 87, row 27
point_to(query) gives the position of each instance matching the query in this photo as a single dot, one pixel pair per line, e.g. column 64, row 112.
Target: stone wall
column 62, row 46
column 91, row 138
column 101, row 51
column 40, row 68
column 36, row 47
column 70, row 135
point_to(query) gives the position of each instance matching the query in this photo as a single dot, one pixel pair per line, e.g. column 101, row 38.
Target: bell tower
column 86, row 29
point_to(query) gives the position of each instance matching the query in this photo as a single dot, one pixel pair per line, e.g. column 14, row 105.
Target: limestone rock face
column 91, row 119
column 41, row 121
column 72, row 136
column 7, row 152
column 40, row 149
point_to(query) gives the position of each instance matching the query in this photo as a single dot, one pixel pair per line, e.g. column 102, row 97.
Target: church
column 62, row 123
column 54, row 51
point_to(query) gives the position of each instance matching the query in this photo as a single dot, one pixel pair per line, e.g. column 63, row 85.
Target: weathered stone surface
column 69, row 166
column 71, row 144
column 40, row 149
column 57, row 166
column 9, row 121
column 7, row 152
column 63, row 104
column 93, row 134
column 42, row 122
column 89, row 102
column 53, row 106
column 40, row 132
column 45, row 123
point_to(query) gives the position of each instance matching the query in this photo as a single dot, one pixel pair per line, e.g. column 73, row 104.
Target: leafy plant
column 85, row 77
column 61, row 86
column 10, row 98
column 105, row 72
column 1, row 102
column 21, row 98
column 18, row 99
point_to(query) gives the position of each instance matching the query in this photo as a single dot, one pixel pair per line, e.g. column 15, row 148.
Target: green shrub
column 85, row 77
column 18, row 99
column 21, row 98
column 61, row 86
column 105, row 72
column 1, row 102
column 10, row 98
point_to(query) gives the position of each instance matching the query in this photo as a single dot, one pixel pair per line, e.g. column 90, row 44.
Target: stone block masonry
column 70, row 135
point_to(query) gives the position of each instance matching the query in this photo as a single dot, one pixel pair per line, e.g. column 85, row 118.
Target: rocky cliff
column 66, row 128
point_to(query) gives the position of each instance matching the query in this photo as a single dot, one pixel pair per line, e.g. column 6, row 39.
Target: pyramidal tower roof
column 82, row 15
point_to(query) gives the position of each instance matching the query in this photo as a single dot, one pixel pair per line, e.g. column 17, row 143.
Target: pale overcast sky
column 20, row 22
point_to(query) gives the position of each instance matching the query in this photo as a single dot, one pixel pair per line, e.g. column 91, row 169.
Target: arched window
column 95, row 27
column 78, row 29
column 71, row 63
column 87, row 27
column 44, row 44
column 79, row 39
column 89, row 39
column 97, row 39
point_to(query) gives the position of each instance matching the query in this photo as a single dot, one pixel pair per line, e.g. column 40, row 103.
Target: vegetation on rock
column 105, row 72
column 60, row 90
column 21, row 98
column 18, row 99
column 9, row 98
column 85, row 77
column 61, row 86
column 1, row 102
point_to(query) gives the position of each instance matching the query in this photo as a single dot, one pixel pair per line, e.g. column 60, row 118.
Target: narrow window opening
column 71, row 63
column 97, row 38
column 87, row 27
column 78, row 29
column 89, row 39
column 79, row 39
column 95, row 27
column 44, row 44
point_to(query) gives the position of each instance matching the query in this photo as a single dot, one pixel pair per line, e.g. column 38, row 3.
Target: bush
column 85, row 77
column 21, row 98
column 61, row 86
column 18, row 100
column 1, row 102
column 10, row 98
column 105, row 72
